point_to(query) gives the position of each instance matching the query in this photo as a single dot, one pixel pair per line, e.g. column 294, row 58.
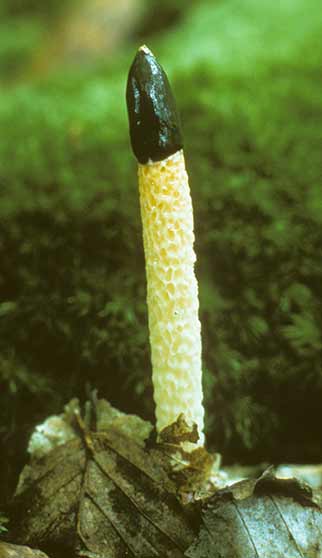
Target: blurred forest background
column 247, row 77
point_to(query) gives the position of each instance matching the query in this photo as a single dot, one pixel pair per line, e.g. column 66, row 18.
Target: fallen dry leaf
column 263, row 518
column 15, row 551
column 112, row 491
column 103, row 494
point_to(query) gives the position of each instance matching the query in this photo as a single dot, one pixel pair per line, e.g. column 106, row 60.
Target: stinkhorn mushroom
column 167, row 218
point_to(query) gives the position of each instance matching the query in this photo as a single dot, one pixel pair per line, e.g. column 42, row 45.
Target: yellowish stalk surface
column 172, row 291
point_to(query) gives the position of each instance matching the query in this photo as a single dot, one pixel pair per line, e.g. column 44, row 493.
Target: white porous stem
column 172, row 291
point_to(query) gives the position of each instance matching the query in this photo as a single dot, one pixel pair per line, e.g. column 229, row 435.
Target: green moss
column 23, row 26
column 72, row 279
column 258, row 237
column 19, row 39
column 33, row 8
column 3, row 523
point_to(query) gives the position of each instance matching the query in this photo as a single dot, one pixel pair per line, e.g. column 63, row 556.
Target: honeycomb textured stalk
column 172, row 290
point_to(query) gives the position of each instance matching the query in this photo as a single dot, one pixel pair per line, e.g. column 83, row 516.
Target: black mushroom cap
column 154, row 121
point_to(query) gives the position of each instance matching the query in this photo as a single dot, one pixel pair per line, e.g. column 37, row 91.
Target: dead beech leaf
column 112, row 491
column 103, row 494
column 263, row 518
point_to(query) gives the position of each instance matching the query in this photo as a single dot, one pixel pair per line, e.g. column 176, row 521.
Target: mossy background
column 72, row 283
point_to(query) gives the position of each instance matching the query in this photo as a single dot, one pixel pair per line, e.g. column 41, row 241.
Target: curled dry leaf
column 179, row 431
column 195, row 472
column 263, row 518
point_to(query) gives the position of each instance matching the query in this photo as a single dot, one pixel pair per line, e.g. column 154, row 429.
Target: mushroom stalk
column 167, row 219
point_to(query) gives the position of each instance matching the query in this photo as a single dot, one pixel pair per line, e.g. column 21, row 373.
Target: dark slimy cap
column 154, row 122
